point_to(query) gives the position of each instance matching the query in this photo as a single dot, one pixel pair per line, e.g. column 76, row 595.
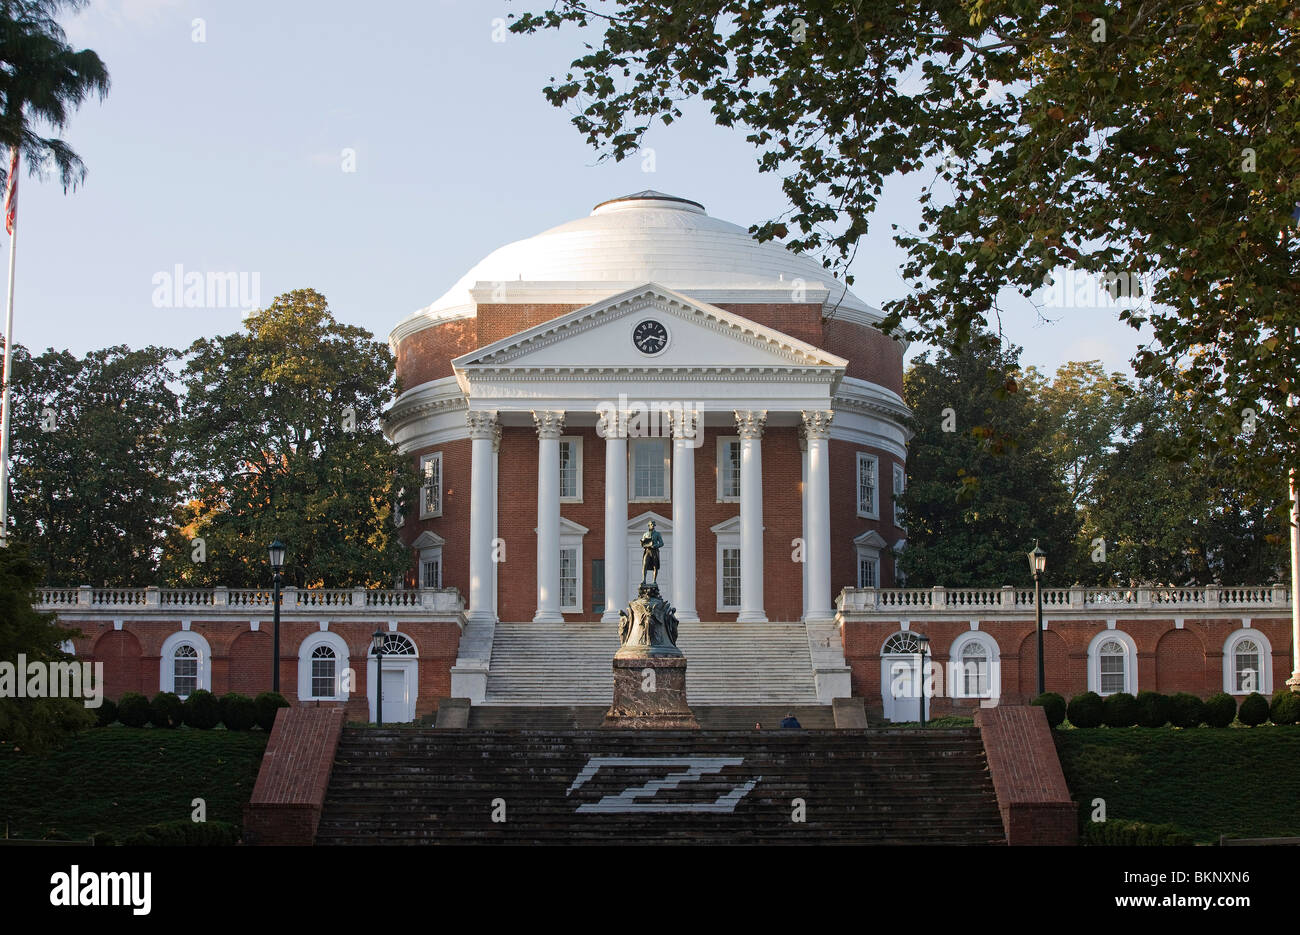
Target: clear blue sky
column 226, row 155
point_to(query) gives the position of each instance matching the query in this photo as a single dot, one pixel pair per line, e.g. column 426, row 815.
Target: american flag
column 11, row 191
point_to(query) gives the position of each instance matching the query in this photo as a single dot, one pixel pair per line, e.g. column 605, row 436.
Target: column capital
column 686, row 423
column 496, row 436
column 482, row 423
column 611, row 423
column 750, row 422
column 817, row 423
column 549, row 422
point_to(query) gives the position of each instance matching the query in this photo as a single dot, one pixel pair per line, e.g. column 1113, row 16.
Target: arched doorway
column 400, row 681
column 900, row 677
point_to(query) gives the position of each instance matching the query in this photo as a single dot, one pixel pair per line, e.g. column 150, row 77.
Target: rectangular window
column 597, row 585
column 571, row 469
column 867, row 472
column 185, row 680
column 431, row 573
column 900, row 480
column 1247, row 665
column 431, row 491
column 728, row 468
column 730, row 579
column 649, row 469
column 1112, row 674
column 868, row 572
column 569, row 579
column 322, row 678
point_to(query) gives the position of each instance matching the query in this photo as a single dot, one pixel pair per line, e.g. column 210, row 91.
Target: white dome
column 649, row 237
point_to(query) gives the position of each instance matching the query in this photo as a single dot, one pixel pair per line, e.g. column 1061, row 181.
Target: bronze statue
column 651, row 543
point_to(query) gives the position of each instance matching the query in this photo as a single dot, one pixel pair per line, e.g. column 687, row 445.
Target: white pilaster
column 750, row 425
column 686, row 438
column 482, row 497
column 613, row 428
column 549, row 427
column 803, row 515
column 817, row 521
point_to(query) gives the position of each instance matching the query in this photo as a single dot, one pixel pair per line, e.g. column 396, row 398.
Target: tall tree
column 94, row 462
column 31, row 723
column 982, row 484
column 42, row 79
column 1156, row 138
column 283, row 440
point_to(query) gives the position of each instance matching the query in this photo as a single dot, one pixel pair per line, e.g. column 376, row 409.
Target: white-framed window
column 185, row 664
column 900, row 482
column 1247, row 663
column 729, row 469
column 322, row 662
column 728, row 565
column 431, row 486
column 649, row 470
column 1112, row 667
column 431, row 568
column 974, row 663
column 868, row 485
column 571, row 469
column 867, row 550
column 570, row 580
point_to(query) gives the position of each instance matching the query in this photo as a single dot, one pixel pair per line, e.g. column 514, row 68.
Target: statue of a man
column 651, row 543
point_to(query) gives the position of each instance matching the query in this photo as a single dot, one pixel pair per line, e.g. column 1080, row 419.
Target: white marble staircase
column 729, row 664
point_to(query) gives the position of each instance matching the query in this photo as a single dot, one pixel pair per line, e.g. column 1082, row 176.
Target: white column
column 817, row 520
column 613, row 428
column 687, row 434
column 549, row 427
column 750, row 424
column 482, row 494
column 496, row 518
column 803, row 514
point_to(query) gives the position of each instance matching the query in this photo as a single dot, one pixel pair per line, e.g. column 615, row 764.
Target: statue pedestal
column 650, row 692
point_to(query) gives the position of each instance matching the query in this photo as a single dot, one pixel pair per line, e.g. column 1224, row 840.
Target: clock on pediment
column 650, row 336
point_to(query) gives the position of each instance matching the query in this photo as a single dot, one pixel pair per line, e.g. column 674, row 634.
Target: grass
column 1208, row 781
column 940, row 723
column 122, row 779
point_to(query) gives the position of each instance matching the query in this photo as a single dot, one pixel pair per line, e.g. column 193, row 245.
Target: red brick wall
column 293, row 778
column 453, row 524
column 1033, row 798
column 1169, row 659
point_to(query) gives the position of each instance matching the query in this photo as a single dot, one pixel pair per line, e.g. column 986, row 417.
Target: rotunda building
column 645, row 363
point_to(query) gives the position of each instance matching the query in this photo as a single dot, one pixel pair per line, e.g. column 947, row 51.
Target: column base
column 482, row 616
column 609, row 616
column 1294, row 682
column 686, row 616
column 819, row 616
column 751, row 616
column 548, row 616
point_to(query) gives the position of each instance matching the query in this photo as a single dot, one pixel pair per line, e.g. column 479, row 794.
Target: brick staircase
column 589, row 717
column 411, row 786
column 568, row 664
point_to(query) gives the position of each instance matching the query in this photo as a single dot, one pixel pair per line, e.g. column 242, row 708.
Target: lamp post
column 1038, row 564
column 923, row 650
column 378, row 646
column 276, row 550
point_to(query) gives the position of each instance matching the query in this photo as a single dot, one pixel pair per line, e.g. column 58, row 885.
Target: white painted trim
column 873, row 511
column 166, row 669
column 1130, row 660
column 957, row 688
column 722, row 442
column 726, row 536
column 632, row 443
column 1265, row 679
column 433, row 456
column 576, row 441
column 341, row 662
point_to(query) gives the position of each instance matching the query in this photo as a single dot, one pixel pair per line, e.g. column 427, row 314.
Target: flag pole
column 9, row 351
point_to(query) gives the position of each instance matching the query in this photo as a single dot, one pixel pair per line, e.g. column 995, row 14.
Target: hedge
column 1285, row 708
column 166, row 710
column 1053, row 706
column 1085, row 710
column 1220, row 709
column 1119, row 710
column 1134, row 834
column 1186, row 710
column 238, row 712
column 1253, row 710
column 268, row 703
column 134, row 710
column 1153, row 709
column 202, row 710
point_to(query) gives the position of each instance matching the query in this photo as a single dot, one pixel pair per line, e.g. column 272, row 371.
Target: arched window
column 1247, row 663
column 395, row 644
column 973, row 664
column 974, row 669
column 324, row 671
column 1111, row 663
column 185, row 664
column 185, row 670
column 901, row 643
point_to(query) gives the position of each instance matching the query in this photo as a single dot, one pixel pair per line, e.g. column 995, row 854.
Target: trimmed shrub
column 106, row 713
column 1186, row 710
column 134, row 710
column 1053, row 706
column 1115, row 833
column 166, row 710
column 1153, row 709
column 1285, row 708
column 268, row 703
column 238, row 712
column 1253, row 710
column 1220, row 709
column 102, row 839
column 202, row 710
column 1085, row 710
column 185, row 833
column 1119, row 710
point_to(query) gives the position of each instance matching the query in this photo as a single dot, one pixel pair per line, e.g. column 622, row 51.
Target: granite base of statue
column 649, row 669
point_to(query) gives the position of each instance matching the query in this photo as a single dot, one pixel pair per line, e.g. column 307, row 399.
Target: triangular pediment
column 870, row 540
column 428, row 540
column 603, row 337
column 637, row 524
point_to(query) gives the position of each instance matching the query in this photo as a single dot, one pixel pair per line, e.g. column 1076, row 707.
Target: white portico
column 649, row 363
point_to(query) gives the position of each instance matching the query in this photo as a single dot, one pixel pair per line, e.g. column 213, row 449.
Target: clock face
column 650, row 337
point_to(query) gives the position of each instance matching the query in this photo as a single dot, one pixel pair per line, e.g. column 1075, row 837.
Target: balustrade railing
column 358, row 600
column 1021, row 600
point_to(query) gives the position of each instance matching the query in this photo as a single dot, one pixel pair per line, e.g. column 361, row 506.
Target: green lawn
column 1207, row 781
column 122, row 779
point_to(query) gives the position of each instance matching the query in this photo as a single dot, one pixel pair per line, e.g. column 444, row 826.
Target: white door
column 899, row 684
